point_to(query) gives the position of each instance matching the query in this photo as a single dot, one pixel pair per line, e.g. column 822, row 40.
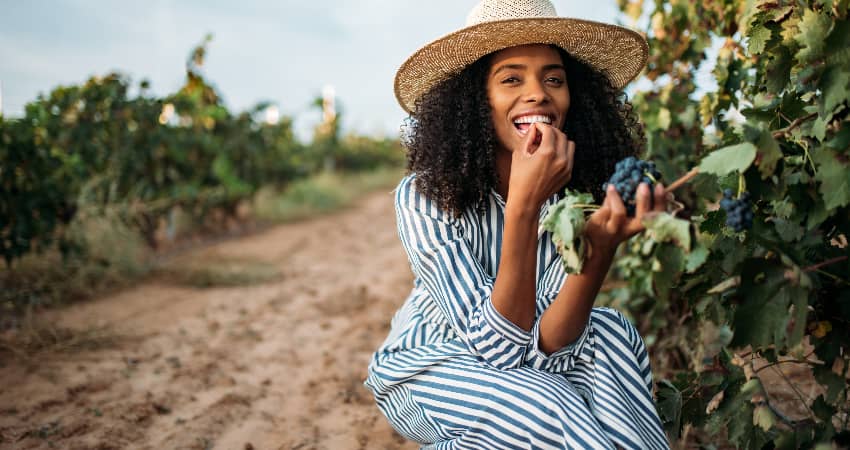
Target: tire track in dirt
column 275, row 365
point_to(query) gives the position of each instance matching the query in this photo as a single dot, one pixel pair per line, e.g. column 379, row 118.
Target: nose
column 535, row 92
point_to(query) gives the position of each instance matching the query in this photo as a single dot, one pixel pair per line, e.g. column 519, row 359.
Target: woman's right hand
column 540, row 167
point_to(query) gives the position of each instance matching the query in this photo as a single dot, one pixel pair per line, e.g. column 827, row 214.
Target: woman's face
column 526, row 84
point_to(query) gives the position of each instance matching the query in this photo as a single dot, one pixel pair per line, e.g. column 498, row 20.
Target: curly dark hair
column 451, row 142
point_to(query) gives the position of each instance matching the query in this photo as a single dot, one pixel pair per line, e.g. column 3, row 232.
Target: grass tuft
column 219, row 272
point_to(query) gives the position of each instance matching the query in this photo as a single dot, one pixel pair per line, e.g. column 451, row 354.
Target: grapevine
column 765, row 281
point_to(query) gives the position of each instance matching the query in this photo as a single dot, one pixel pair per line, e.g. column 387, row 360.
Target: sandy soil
column 273, row 365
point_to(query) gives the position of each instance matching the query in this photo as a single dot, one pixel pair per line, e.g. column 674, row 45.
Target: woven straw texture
column 498, row 24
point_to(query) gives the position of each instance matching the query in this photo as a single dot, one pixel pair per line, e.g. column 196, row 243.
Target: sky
column 283, row 52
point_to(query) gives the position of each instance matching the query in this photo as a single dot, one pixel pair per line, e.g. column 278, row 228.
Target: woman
column 495, row 348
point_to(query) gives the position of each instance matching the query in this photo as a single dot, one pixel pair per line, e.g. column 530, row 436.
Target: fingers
column 642, row 205
column 618, row 210
column 660, row 198
column 642, row 200
column 548, row 137
column 528, row 145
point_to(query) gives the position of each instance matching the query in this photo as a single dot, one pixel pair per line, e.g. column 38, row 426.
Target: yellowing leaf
column 763, row 417
column 821, row 329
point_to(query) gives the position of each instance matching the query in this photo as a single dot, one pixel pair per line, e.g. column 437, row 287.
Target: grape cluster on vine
column 627, row 176
column 739, row 211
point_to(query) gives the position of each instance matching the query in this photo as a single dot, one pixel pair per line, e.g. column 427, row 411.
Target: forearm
column 567, row 316
column 514, row 291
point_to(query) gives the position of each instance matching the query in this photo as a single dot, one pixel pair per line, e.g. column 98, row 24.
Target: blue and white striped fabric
column 455, row 374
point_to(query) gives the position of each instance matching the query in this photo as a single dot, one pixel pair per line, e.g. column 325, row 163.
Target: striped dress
column 455, row 374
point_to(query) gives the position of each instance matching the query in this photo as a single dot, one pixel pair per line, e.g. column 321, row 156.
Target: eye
column 510, row 80
column 557, row 81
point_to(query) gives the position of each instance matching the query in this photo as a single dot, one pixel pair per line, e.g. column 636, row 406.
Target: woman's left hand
column 610, row 225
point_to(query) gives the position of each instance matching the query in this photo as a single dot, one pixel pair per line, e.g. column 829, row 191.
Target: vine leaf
column 758, row 38
column 768, row 154
column 664, row 227
column 814, row 28
column 735, row 158
column 565, row 220
column 834, row 84
column 670, row 406
column 835, row 184
column 763, row 417
column 762, row 319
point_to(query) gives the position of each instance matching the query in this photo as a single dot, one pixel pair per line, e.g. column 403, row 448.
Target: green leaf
column 833, row 383
column 565, row 220
column 714, row 222
column 823, row 410
column 778, row 70
column 759, row 35
column 766, row 295
column 729, row 159
column 841, row 140
column 768, row 154
column 788, row 231
column 835, row 87
column 664, row 227
column 834, row 178
column 696, row 258
column 670, row 407
column 668, row 266
column 818, row 129
column 813, row 30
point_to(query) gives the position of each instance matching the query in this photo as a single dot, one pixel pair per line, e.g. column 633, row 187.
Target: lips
column 523, row 122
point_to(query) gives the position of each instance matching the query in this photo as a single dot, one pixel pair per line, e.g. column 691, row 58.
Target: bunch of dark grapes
column 628, row 174
column 739, row 211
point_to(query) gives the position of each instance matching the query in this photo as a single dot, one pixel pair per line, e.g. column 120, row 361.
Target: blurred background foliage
column 108, row 155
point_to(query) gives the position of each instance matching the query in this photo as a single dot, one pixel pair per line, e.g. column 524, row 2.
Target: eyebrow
column 523, row 67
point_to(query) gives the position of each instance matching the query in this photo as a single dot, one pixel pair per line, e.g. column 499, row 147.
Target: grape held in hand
column 628, row 174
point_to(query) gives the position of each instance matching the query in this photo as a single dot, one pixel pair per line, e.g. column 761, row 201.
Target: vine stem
column 819, row 265
column 796, row 123
column 586, row 206
column 682, row 180
column 742, row 185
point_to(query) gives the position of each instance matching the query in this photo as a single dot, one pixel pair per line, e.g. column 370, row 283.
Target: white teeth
column 533, row 119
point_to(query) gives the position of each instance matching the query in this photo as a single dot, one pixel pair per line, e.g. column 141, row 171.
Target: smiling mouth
column 523, row 123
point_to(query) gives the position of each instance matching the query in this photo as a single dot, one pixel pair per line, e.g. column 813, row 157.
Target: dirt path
column 274, row 365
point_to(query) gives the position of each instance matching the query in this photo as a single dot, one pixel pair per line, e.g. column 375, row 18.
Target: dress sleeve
column 564, row 358
column 452, row 275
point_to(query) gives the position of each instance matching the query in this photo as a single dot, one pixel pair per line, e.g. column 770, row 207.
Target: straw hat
column 494, row 25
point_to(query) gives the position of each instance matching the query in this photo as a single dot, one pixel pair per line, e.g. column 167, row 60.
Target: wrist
column 600, row 256
column 522, row 210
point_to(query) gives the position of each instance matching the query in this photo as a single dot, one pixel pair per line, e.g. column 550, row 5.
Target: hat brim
column 618, row 51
